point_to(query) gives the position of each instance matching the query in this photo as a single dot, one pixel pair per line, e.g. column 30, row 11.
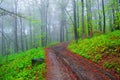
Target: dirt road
column 64, row 65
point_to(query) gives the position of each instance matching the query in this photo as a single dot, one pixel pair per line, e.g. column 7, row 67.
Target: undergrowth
column 52, row 44
column 19, row 67
column 103, row 49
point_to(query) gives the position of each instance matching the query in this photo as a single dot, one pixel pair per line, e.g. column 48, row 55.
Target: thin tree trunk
column 66, row 33
column 24, row 39
column 62, row 24
column 22, row 46
column 3, row 40
column 15, row 28
column 110, row 20
column 99, row 23
column 78, row 17
column 83, row 27
column 75, row 21
column 30, row 30
column 78, row 13
column 89, row 17
column 46, row 20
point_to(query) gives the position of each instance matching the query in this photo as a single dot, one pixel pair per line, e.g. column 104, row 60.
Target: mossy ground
column 103, row 49
column 19, row 67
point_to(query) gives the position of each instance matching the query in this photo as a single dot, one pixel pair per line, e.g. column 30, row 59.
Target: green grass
column 18, row 67
column 101, row 47
column 52, row 44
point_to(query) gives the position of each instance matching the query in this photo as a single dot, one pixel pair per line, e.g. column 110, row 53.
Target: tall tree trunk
column 104, row 19
column 30, row 30
column 78, row 17
column 24, row 39
column 44, row 9
column 89, row 17
column 100, row 18
column 15, row 29
column 62, row 24
column 75, row 21
column 117, row 15
column 66, row 33
column 3, row 40
column 83, row 27
column 78, row 13
column 110, row 20
column 46, row 20
column 22, row 42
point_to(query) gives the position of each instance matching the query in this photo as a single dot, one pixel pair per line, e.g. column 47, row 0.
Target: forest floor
column 62, row 64
column 19, row 66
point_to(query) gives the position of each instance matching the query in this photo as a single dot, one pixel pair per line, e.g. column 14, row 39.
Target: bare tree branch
column 69, row 16
column 1, row 2
column 5, row 36
column 67, row 13
column 12, row 13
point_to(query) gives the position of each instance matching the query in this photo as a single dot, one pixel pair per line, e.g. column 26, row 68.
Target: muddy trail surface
column 64, row 65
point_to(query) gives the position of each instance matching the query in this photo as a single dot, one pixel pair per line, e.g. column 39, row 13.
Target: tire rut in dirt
column 80, row 70
column 81, row 67
column 57, row 69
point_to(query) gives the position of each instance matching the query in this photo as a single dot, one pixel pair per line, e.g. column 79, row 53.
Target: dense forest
column 29, row 26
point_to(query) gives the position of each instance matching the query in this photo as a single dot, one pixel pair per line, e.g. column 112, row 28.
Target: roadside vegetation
column 19, row 66
column 103, row 49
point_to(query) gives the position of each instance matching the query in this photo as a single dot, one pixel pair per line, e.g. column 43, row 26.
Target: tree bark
column 3, row 40
column 22, row 46
column 83, row 27
column 89, row 17
column 99, row 23
column 75, row 21
column 104, row 19
column 16, row 29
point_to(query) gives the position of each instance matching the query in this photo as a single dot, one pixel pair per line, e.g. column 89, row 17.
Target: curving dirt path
column 64, row 65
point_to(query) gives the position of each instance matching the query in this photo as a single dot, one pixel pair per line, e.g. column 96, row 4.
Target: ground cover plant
column 103, row 49
column 19, row 66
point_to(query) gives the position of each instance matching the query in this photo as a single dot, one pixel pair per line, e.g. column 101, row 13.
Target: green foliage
column 117, row 20
column 97, row 58
column 118, row 70
column 18, row 67
column 109, row 65
column 52, row 44
column 99, row 47
column 92, row 46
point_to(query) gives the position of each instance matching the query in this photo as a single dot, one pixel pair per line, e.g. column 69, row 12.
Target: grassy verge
column 19, row 66
column 52, row 44
column 104, row 50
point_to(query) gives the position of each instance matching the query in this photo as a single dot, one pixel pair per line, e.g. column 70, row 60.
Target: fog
column 26, row 24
